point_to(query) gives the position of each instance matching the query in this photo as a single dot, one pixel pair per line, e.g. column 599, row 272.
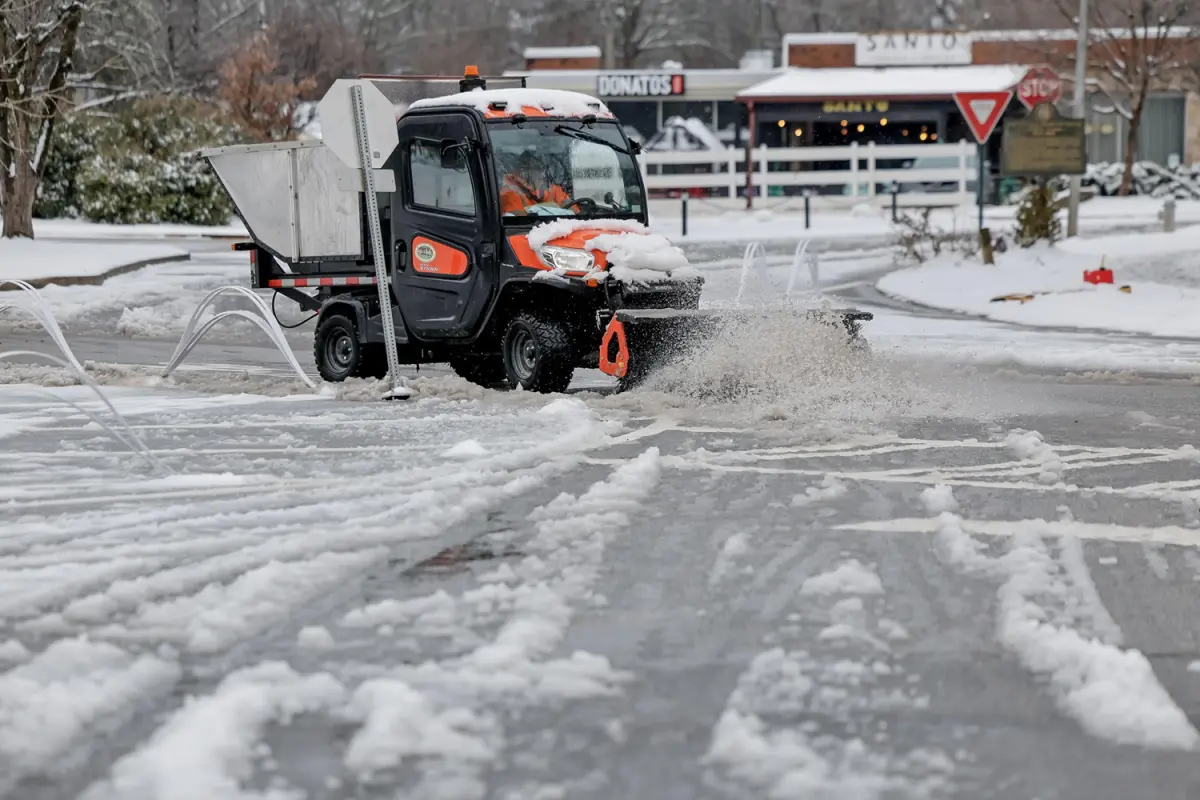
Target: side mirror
column 451, row 158
column 635, row 147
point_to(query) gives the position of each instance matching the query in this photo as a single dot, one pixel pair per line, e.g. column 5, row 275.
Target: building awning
column 885, row 83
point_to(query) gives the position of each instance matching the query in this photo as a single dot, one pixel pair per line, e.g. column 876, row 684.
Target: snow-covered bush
column 74, row 145
column 139, row 166
column 1036, row 217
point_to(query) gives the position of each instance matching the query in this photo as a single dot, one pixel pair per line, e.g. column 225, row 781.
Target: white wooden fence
column 951, row 181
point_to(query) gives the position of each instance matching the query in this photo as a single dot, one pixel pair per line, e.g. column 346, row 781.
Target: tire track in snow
column 446, row 715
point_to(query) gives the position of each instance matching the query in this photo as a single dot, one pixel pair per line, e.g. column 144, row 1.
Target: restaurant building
column 838, row 88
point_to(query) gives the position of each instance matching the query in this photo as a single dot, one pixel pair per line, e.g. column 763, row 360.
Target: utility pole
column 1081, row 58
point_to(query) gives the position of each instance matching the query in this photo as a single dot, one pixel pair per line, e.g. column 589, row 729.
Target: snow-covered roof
column 679, row 134
column 531, row 102
column 580, row 51
column 1031, row 35
column 884, row 82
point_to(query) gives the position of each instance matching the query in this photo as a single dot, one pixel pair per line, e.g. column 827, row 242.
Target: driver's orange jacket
column 516, row 195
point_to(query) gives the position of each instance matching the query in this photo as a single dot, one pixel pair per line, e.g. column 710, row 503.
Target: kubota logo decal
column 425, row 252
column 438, row 259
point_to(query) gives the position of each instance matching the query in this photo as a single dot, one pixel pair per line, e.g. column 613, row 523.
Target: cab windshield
column 564, row 168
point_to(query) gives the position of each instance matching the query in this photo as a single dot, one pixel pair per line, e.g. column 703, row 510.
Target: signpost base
column 980, row 191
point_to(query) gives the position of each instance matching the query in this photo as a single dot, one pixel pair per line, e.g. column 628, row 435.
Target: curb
column 96, row 280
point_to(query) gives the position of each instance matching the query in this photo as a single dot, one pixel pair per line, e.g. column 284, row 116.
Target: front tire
column 486, row 371
column 538, row 353
column 338, row 353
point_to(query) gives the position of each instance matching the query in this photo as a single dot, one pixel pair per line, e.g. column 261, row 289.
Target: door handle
column 401, row 256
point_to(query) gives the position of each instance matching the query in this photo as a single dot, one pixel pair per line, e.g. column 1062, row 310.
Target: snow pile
column 1060, row 297
column 830, row 488
column 850, row 577
column 71, row 692
column 314, row 637
column 1112, row 692
column 556, row 101
column 466, row 450
column 938, row 499
column 207, row 748
column 1029, row 446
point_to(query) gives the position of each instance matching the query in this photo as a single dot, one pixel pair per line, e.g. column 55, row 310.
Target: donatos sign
column 639, row 84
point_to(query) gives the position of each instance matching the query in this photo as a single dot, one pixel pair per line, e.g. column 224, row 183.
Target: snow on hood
column 634, row 254
column 546, row 232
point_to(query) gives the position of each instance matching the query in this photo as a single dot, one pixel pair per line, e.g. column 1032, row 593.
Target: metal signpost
column 364, row 139
column 982, row 111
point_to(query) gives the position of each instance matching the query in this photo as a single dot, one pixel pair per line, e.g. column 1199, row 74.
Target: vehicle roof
column 502, row 103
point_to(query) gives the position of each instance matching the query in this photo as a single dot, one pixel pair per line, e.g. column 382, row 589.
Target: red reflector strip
column 300, row 283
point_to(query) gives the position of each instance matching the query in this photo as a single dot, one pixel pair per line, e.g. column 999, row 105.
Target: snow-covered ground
column 82, row 229
column 40, row 262
column 1050, row 279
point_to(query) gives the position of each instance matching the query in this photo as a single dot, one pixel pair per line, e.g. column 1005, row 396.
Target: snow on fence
column 924, row 174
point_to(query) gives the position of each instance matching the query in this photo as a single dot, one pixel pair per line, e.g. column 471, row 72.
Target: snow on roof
column 679, row 134
column 885, row 82
column 580, row 51
column 533, row 102
column 1032, row 35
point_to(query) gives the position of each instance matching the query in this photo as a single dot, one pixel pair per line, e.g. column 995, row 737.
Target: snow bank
column 40, row 261
column 830, row 488
column 956, row 285
column 850, row 577
column 72, row 691
column 207, row 749
column 938, row 499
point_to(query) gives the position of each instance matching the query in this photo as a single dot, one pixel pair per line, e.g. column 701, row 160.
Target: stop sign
column 1040, row 85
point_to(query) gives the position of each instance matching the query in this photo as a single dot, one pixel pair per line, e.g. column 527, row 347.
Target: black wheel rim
column 522, row 354
column 339, row 351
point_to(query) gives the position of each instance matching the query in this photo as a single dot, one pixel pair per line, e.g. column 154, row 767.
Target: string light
column 844, row 131
column 843, row 123
column 883, row 121
column 782, row 123
column 924, row 136
column 861, row 127
column 799, row 131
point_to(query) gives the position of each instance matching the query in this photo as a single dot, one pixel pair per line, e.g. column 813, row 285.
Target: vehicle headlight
column 568, row 259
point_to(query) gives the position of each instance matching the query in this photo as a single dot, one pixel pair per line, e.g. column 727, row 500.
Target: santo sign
column 1040, row 85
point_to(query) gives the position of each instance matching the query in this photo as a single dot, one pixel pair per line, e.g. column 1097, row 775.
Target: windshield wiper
column 575, row 133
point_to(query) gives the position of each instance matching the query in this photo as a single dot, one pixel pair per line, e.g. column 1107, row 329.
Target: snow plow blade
column 639, row 341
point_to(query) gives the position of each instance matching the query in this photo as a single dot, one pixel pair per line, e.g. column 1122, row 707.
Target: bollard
column 1167, row 215
column 895, row 194
column 683, row 212
column 807, row 210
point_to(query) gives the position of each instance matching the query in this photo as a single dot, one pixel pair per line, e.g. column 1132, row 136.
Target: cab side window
column 447, row 189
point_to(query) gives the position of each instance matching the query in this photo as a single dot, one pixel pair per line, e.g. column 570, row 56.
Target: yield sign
column 982, row 110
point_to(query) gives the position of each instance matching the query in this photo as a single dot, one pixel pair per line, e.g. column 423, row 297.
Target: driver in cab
column 530, row 186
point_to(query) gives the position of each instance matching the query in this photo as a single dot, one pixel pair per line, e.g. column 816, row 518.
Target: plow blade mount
column 639, row 341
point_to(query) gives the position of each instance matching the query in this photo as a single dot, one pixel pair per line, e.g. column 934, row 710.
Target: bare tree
column 1137, row 47
column 38, row 40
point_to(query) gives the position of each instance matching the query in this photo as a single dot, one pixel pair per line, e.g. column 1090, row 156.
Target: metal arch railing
column 755, row 254
column 802, row 256
column 267, row 322
column 45, row 317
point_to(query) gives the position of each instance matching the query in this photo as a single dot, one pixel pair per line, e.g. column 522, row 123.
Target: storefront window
column 698, row 109
column 731, row 116
column 639, row 117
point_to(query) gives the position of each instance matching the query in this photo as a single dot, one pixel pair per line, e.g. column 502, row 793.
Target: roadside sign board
column 1040, row 85
column 982, row 110
column 338, row 129
column 1043, row 145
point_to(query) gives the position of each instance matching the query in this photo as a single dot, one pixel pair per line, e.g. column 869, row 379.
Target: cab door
column 441, row 259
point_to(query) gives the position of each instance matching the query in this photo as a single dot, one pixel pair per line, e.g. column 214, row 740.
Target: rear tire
column 481, row 370
column 539, row 353
column 339, row 354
